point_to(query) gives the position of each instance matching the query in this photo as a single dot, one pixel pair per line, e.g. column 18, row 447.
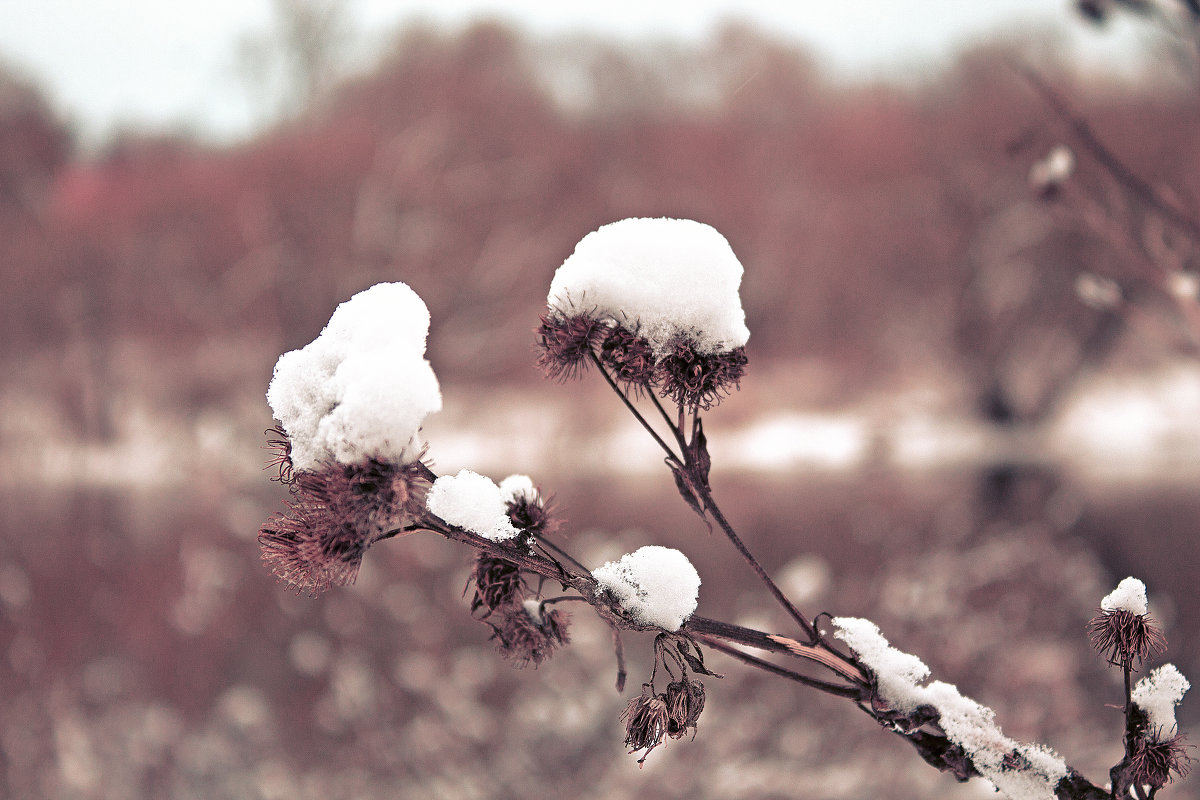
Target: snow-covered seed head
column 653, row 585
column 529, row 633
column 646, row 721
column 529, row 512
column 474, row 503
column 685, row 701
column 363, row 387
column 663, row 295
column 1122, row 630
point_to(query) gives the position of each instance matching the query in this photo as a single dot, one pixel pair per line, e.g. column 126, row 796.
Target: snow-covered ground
column 1137, row 429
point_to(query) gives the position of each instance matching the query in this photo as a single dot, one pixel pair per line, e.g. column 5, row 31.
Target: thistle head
column 685, row 701
column 336, row 513
column 311, row 550
column 693, row 379
column 529, row 632
column 628, row 357
column 1122, row 630
column 646, row 721
column 497, row 583
column 565, row 344
column 1156, row 762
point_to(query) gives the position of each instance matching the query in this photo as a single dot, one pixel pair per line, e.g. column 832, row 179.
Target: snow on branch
column 1019, row 771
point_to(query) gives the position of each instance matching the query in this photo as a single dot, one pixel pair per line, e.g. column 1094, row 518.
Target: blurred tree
column 290, row 67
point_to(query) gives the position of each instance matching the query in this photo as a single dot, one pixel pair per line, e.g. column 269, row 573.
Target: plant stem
column 821, row 654
column 754, row 661
column 632, row 408
column 711, row 506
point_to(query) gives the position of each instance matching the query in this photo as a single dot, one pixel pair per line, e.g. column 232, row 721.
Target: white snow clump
column 967, row 723
column 1157, row 694
column 362, row 388
column 660, row 277
column 656, row 585
column 472, row 502
column 1130, row 595
column 514, row 487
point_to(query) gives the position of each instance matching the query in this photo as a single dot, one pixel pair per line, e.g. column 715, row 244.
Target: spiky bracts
column 684, row 374
column 1124, row 637
column 335, row 514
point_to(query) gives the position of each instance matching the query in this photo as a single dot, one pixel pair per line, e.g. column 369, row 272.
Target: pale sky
column 169, row 63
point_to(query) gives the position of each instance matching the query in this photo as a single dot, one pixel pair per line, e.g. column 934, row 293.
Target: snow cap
column 1130, row 595
column 662, row 278
column 363, row 387
column 656, row 585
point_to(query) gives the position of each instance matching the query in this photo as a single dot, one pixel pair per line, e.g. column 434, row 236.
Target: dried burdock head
column 311, row 549
column 497, row 583
column 1152, row 763
column 646, row 721
column 685, row 701
column 531, row 513
column 566, row 343
column 629, row 357
column 336, row 514
column 699, row 380
column 529, row 632
column 1125, row 638
column 280, row 447
column 377, row 497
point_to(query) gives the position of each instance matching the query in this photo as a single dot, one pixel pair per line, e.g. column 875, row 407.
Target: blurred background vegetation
column 972, row 407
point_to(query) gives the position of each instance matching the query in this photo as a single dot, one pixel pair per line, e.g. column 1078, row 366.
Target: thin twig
column 619, row 651
column 632, row 408
column 711, row 506
column 1106, row 157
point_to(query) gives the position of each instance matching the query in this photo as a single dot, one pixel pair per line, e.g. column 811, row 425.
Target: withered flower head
column 336, row 513
column 311, row 549
column 699, row 380
column 530, row 513
column 280, row 447
column 497, row 583
column 566, row 343
column 629, row 357
column 529, row 632
column 1151, row 763
column 685, row 701
column 1124, row 637
column 646, row 721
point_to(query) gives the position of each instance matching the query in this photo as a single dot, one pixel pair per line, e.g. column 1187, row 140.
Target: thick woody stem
column 824, row 686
